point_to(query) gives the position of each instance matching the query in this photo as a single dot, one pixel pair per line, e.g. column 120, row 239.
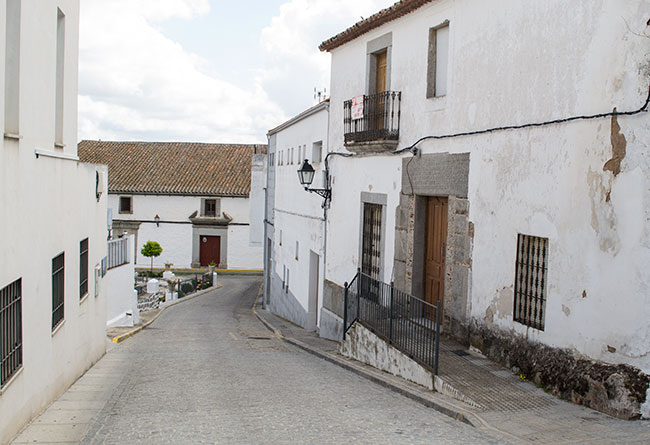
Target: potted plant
column 212, row 266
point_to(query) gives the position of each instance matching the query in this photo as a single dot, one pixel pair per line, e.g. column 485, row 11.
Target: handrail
column 410, row 324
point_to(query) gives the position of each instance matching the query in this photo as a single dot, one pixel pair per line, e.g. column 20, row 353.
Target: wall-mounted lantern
column 306, row 177
column 157, row 220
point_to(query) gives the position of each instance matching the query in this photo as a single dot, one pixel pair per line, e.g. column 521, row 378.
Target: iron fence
column 118, row 252
column 408, row 323
column 194, row 284
column 379, row 121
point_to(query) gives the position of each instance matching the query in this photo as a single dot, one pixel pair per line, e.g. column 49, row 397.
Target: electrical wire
column 644, row 108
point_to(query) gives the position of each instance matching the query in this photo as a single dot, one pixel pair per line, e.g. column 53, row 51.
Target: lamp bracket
column 325, row 193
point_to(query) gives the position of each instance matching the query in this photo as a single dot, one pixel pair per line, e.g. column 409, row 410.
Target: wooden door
column 210, row 250
column 382, row 63
column 436, row 247
column 380, row 87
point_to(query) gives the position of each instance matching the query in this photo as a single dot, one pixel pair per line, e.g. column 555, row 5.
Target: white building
column 294, row 222
column 528, row 236
column 52, row 212
column 194, row 199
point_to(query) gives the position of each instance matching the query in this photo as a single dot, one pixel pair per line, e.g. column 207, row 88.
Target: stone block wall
column 618, row 390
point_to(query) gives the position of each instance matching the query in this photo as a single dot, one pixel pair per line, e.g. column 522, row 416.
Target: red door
column 210, row 250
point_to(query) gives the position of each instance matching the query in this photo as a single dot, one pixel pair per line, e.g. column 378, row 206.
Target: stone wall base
column 617, row 390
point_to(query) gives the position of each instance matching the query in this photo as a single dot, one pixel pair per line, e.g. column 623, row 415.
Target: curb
column 444, row 407
column 121, row 338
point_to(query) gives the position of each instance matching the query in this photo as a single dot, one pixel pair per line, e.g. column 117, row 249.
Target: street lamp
column 306, row 177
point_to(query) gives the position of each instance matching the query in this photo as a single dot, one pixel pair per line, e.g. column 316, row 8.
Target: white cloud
column 138, row 84
column 294, row 65
column 135, row 83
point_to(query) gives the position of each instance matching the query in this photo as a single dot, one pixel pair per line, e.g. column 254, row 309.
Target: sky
column 204, row 70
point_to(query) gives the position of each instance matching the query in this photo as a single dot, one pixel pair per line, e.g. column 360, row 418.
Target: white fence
column 118, row 252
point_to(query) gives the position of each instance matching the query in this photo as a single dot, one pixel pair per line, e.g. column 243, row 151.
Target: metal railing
column 118, row 252
column 194, row 284
column 380, row 119
column 408, row 323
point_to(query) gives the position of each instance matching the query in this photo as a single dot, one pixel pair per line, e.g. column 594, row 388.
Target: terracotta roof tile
column 396, row 11
column 173, row 168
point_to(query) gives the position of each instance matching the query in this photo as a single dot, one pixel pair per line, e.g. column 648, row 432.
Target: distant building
column 195, row 199
column 295, row 219
column 53, row 216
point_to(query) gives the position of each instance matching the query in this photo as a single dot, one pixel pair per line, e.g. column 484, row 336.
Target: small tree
column 151, row 249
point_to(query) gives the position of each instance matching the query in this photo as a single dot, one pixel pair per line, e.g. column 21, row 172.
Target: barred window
column 83, row 268
column 58, row 285
column 11, row 330
column 531, row 281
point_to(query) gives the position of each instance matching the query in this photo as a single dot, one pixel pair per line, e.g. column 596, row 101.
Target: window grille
column 58, row 283
column 83, row 268
column 11, row 330
column 531, row 281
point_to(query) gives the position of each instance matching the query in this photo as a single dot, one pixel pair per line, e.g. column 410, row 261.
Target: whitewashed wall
column 256, row 204
column 546, row 181
column 47, row 206
column 174, row 233
column 298, row 214
column 120, row 288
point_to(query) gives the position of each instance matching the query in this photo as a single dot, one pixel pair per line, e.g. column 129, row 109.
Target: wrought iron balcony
column 374, row 121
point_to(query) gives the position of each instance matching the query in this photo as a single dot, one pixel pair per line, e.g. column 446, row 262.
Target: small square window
column 211, row 208
column 126, row 204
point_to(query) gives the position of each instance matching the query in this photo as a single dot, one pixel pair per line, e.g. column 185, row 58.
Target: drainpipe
column 267, row 273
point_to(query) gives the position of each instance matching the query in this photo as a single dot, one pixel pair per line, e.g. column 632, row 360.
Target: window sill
column 54, row 154
column 58, row 327
column 11, row 379
column 13, row 136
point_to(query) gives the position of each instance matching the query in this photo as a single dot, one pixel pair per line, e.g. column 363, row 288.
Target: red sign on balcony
column 357, row 107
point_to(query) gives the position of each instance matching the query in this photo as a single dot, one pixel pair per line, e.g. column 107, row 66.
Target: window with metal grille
column 83, row 268
column 531, row 281
column 11, row 330
column 58, row 282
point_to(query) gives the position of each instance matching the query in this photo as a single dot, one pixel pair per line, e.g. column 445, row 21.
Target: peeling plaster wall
column 584, row 184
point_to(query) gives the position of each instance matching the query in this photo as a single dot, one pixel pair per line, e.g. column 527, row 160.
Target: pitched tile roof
column 396, row 11
column 174, row 168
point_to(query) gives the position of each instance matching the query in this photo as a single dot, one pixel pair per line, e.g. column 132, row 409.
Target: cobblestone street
column 208, row 371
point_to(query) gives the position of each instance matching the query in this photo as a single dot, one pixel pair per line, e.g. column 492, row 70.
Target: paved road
column 208, row 371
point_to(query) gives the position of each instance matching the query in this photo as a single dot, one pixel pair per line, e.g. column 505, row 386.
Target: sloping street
column 208, row 371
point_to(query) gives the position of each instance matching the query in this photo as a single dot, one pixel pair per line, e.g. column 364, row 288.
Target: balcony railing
column 118, row 252
column 379, row 120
